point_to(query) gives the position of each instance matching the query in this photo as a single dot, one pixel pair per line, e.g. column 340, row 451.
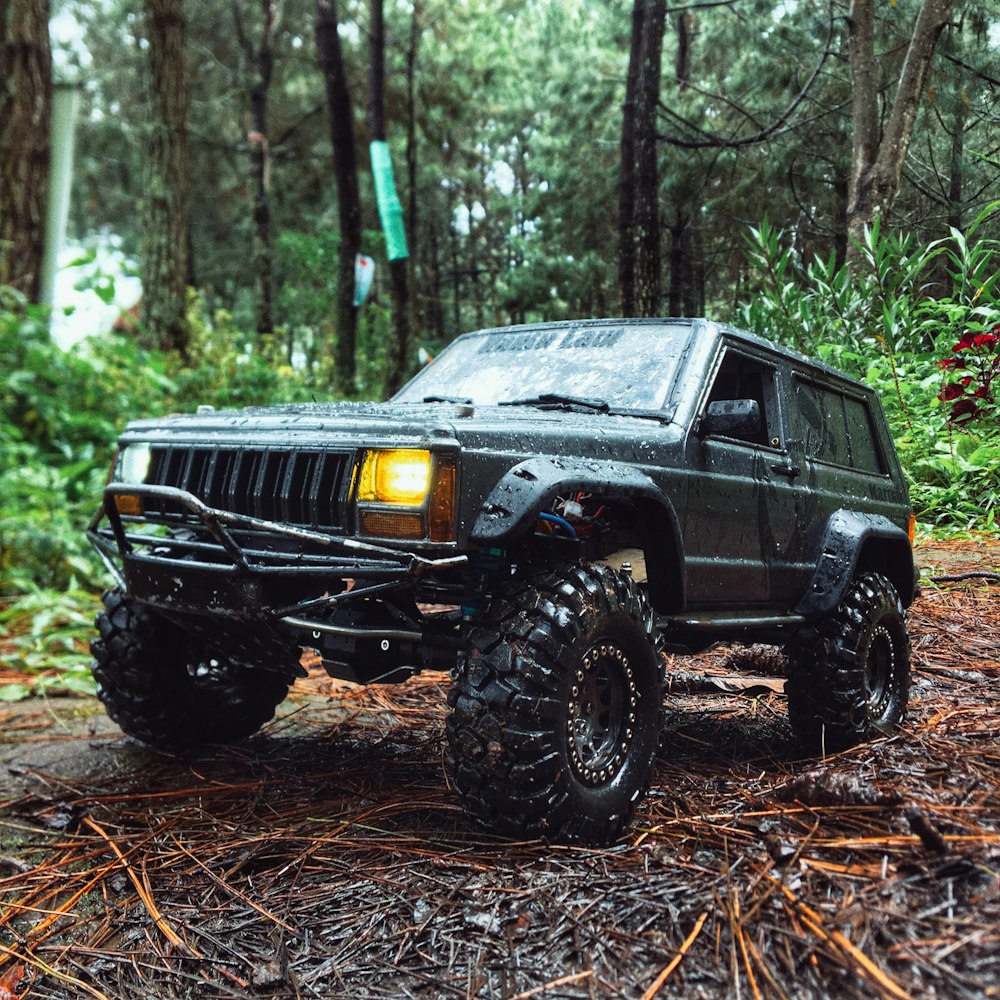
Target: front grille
column 295, row 487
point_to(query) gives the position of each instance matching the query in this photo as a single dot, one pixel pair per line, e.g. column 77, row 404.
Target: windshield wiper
column 460, row 400
column 659, row 415
column 558, row 399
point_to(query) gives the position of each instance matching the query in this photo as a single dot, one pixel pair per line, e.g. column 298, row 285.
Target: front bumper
column 200, row 560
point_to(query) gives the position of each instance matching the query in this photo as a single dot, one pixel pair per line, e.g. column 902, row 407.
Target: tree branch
column 715, row 141
column 706, row 5
column 978, row 73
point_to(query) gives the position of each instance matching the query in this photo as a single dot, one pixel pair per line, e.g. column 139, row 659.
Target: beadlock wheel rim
column 880, row 668
column 601, row 714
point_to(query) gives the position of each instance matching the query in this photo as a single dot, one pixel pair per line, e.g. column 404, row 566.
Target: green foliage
column 956, row 484
column 61, row 412
column 46, row 633
column 306, row 274
column 59, row 416
column 225, row 369
column 306, row 277
column 914, row 322
column 41, row 538
column 374, row 333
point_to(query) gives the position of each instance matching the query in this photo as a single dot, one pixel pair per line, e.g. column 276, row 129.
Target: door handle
column 787, row 470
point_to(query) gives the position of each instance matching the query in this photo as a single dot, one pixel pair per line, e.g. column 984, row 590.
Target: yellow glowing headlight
column 396, row 476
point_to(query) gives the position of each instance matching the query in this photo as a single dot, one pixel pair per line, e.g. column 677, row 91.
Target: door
column 742, row 533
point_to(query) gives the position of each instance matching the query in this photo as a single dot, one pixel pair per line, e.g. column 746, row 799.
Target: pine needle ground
column 327, row 858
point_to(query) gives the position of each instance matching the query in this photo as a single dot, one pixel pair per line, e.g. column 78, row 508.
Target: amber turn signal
column 387, row 524
column 128, row 504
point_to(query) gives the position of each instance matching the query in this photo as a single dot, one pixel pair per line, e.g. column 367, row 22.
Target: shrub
column 974, row 364
column 61, row 412
column 902, row 319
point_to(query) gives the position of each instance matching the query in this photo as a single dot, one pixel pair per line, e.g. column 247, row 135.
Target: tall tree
column 345, row 166
column 164, row 261
column 879, row 153
column 647, row 177
column 25, row 107
column 639, row 179
column 943, row 181
column 399, row 345
column 626, row 170
column 411, row 154
column 259, row 61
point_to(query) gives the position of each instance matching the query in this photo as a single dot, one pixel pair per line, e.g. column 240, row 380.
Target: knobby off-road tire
column 160, row 686
column 849, row 676
column 556, row 711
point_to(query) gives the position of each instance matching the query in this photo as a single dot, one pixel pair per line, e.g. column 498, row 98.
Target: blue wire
column 561, row 521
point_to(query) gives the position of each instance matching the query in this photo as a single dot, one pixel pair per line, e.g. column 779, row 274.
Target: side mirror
column 737, row 418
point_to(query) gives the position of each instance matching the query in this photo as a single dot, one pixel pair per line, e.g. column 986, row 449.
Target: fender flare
column 514, row 503
column 847, row 535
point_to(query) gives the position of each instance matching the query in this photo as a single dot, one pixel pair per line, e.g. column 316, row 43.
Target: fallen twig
column 676, row 960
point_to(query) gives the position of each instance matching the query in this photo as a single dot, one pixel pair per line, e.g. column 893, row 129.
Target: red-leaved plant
column 973, row 364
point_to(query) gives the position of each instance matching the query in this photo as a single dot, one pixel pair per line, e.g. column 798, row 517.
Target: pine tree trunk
column 456, row 280
column 25, row 108
column 626, row 176
column 678, row 290
column 260, row 62
column 164, row 258
column 694, row 255
column 416, row 313
column 399, row 345
column 841, row 191
column 647, row 186
column 878, row 154
column 474, row 267
column 435, row 303
column 956, row 160
column 345, row 165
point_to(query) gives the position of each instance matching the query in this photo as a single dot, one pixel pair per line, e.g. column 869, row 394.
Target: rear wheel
column 849, row 676
column 164, row 688
column 556, row 711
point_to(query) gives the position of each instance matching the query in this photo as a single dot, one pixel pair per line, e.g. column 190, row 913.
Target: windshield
column 627, row 366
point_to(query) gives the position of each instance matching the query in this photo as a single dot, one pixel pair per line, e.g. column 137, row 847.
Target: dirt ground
column 327, row 858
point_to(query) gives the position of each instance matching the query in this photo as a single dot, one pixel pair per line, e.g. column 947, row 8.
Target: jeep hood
column 385, row 424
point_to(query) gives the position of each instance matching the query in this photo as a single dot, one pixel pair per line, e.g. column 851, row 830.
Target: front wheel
column 162, row 687
column 849, row 676
column 556, row 711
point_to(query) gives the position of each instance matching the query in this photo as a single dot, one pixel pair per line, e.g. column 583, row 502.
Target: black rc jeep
column 543, row 511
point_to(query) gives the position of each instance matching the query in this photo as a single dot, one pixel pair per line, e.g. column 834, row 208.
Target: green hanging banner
column 390, row 210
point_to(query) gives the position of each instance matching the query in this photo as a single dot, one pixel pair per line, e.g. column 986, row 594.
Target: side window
column 740, row 377
column 823, row 423
column 836, row 428
column 865, row 453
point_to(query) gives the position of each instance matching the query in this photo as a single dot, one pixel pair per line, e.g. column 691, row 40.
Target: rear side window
column 865, row 453
column 837, row 428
